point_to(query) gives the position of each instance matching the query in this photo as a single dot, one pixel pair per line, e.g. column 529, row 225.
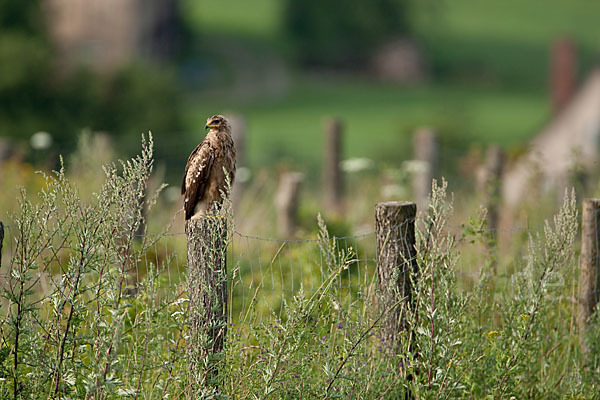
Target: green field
column 379, row 119
column 489, row 64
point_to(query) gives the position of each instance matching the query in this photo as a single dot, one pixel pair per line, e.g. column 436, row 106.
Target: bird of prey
column 205, row 172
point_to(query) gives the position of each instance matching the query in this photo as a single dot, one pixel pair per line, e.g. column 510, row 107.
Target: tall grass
column 76, row 325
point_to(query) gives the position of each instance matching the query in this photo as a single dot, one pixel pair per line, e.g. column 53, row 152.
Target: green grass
column 525, row 21
column 126, row 328
column 256, row 18
column 379, row 119
column 489, row 61
column 507, row 41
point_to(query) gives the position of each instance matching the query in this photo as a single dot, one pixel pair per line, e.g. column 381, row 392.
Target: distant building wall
column 107, row 33
column 570, row 139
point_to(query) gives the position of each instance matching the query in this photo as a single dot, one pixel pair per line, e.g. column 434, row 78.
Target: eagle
column 207, row 168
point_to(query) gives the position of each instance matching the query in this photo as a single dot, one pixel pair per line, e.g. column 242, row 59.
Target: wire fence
column 267, row 272
column 263, row 273
column 264, row 276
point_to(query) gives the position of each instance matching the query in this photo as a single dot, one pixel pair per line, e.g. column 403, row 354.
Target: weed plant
column 75, row 324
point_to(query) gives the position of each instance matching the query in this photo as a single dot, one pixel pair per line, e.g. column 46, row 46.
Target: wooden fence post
column 563, row 72
column 287, row 200
column 426, row 152
column 207, row 291
column 333, row 184
column 489, row 184
column 589, row 273
column 396, row 261
column 238, row 132
column 1, row 241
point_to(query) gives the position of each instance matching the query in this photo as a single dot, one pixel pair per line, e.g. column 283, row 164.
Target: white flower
column 357, row 164
column 41, row 140
column 416, row 166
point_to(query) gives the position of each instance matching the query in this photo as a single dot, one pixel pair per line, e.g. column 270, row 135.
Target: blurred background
column 84, row 79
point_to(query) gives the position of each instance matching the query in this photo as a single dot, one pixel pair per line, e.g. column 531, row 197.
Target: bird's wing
column 197, row 173
column 187, row 166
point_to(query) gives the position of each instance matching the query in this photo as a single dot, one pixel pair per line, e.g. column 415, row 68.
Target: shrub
column 86, row 334
column 38, row 97
column 337, row 32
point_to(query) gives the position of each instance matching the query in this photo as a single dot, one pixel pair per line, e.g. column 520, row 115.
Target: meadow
column 379, row 120
column 94, row 297
column 95, row 303
column 489, row 65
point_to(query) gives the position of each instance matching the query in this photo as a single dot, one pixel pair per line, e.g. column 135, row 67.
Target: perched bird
column 206, row 169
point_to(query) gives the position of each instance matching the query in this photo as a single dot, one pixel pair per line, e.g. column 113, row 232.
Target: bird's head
column 218, row 123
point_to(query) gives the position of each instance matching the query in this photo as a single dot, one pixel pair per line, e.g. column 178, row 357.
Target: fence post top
column 333, row 123
column 396, row 204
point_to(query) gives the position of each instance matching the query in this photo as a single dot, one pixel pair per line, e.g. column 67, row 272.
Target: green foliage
column 24, row 59
column 37, row 97
column 86, row 335
column 95, row 330
column 20, row 16
column 530, row 347
column 338, row 32
column 134, row 96
column 458, row 343
column 137, row 97
column 505, row 43
column 318, row 348
column 589, row 376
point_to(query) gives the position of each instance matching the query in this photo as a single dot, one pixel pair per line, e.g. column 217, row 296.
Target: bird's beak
column 208, row 126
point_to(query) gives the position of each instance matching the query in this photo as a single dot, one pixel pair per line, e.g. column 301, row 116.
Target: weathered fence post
column 563, row 71
column 489, row 184
column 333, row 184
column 287, row 200
column 589, row 271
column 1, row 241
column 238, row 132
column 426, row 152
column 396, row 261
column 207, row 291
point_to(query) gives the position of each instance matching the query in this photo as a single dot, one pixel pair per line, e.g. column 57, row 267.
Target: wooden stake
column 333, row 185
column 207, row 291
column 287, row 201
column 589, row 278
column 1, row 241
column 426, row 152
column 238, row 132
column 489, row 185
column 396, row 261
column 563, row 73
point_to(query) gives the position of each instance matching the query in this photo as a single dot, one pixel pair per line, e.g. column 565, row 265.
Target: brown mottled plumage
column 204, row 177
